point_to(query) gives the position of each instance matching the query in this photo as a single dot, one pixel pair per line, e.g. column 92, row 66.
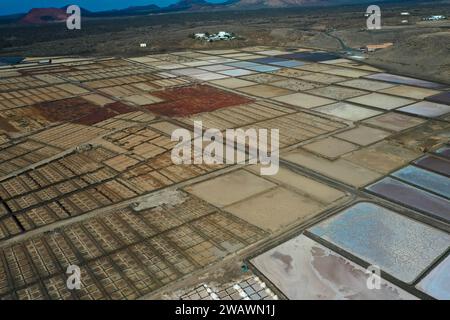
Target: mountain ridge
column 183, row 6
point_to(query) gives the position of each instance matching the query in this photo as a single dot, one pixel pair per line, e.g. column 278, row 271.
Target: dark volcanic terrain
column 420, row 48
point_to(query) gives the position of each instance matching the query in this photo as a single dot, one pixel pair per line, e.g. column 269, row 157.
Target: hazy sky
column 19, row 6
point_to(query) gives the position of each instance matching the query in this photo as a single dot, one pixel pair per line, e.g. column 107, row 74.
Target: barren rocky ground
column 421, row 48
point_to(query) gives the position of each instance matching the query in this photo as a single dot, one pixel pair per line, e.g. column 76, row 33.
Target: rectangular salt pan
column 400, row 246
column 412, row 197
column 444, row 152
column 425, row 179
column 304, row 269
column 434, row 164
column 405, row 80
column 437, row 282
column 426, row 109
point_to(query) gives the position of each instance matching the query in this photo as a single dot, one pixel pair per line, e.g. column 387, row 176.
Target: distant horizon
column 9, row 7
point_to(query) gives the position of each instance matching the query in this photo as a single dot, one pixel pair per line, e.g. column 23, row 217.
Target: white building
column 221, row 35
column 435, row 18
column 200, row 36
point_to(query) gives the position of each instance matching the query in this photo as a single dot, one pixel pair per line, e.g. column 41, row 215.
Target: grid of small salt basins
column 123, row 254
column 20, row 155
column 46, row 99
column 249, row 287
column 256, row 87
column 294, row 126
column 104, row 70
column 22, row 91
column 83, row 181
column 308, row 79
column 144, row 175
column 34, row 87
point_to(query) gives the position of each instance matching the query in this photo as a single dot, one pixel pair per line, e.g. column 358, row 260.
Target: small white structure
column 200, row 36
column 143, row 45
column 223, row 35
column 404, row 13
column 220, row 36
column 45, row 61
column 435, row 18
column 405, row 21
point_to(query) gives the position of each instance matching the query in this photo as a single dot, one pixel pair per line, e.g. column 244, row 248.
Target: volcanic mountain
column 48, row 15
column 276, row 3
column 197, row 5
column 44, row 15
